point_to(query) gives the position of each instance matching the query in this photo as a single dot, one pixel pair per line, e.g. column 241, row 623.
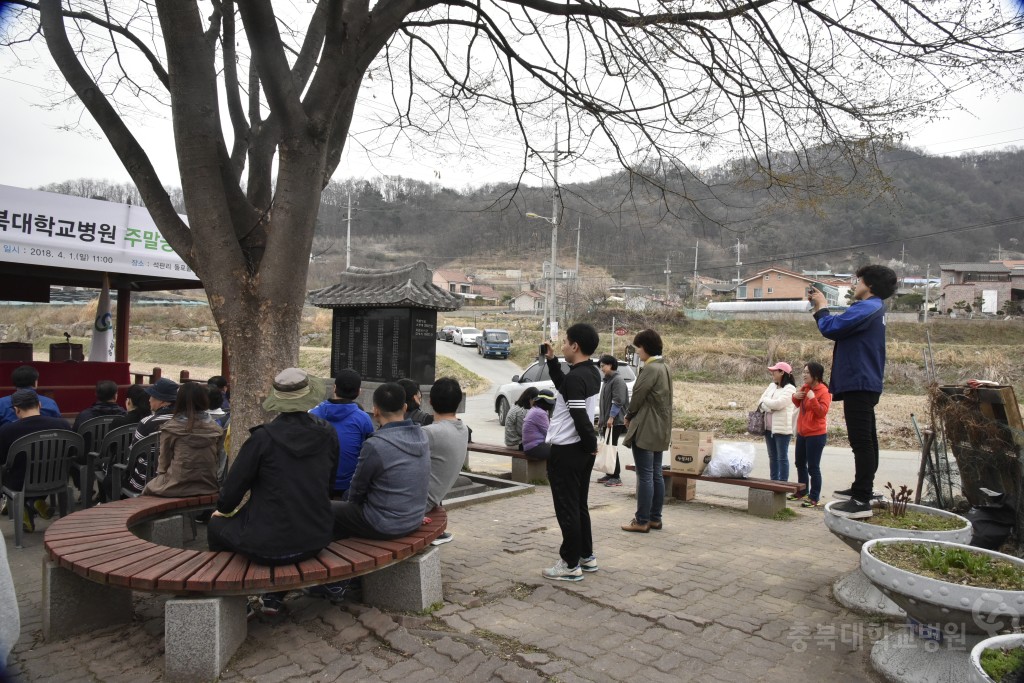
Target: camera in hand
column 543, row 349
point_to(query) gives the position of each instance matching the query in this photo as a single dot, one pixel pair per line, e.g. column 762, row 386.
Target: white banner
column 102, row 348
column 47, row 229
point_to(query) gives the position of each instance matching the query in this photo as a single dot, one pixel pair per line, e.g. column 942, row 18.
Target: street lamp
column 551, row 306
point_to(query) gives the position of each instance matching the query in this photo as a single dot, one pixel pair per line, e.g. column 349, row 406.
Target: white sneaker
column 589, row 564
column 445, row 537
column 562, row 572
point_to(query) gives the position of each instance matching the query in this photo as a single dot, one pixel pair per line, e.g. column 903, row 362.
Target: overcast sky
column 39, row 147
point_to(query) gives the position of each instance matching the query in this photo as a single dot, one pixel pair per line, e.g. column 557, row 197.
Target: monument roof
column 406, row 287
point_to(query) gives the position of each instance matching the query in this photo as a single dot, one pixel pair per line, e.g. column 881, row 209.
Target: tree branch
column 270, row 61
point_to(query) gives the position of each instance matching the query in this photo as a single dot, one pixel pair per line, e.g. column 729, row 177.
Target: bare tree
column 795, row 85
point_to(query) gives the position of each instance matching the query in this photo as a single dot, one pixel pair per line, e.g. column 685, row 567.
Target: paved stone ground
column 718, row 595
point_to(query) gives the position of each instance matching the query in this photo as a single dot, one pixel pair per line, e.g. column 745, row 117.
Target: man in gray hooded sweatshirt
column 388, row 492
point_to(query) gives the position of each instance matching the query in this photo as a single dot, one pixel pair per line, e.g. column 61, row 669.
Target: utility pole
column 695, row 247
column 554, row 239
column 348, row 234
column 927, row 277
column 738, row 264
column 668, row 272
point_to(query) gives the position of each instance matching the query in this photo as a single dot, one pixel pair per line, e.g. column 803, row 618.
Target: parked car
column 537, row 376
column 465, row 336
column 497, row 343
column 446, row 333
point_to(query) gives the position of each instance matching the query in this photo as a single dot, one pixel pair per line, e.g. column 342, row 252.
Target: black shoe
column 845, row 494
column 852, row 509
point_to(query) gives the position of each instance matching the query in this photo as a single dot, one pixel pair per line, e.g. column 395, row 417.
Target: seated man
column 106, row 397
column 29, row 420
column 413, row 397
column 162, row 396
column 448, row 439
column 389, row 487
column 221, row 385
column 26, row 377
column 350, row 421
column 287, row 466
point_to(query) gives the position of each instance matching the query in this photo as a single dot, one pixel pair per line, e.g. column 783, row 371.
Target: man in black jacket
column 573, row 447
column 288, row 467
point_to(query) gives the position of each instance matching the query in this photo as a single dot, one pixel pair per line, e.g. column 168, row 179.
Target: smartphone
column 543, row 349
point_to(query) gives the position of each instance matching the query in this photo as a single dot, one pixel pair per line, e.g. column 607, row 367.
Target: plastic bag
column 734, row 460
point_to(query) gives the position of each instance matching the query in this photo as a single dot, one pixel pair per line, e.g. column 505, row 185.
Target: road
column 898, row 467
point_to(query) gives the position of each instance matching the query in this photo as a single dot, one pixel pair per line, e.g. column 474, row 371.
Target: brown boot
column 654, row 525
column 637, row 526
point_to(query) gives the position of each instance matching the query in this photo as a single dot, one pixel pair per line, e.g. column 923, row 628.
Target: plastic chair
column 148, row 446
column 92, row 431
column 113, row 448
column 47, row 457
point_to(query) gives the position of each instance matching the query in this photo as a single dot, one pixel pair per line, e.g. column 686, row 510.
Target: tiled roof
column 408, row 287
column 976, row 267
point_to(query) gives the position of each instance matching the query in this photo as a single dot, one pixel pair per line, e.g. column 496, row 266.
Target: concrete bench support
column 525, row 471
column 201, row 635
column 410, row 586
column 169, row 531
column 765, row 503
column 74, row 605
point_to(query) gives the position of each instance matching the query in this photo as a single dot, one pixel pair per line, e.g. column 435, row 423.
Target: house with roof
column 453, row 281
column 995, row 283
column 781, row 284
column 530, row 301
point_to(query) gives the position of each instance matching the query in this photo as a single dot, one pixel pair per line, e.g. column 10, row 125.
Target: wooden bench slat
column 101, row 572
column 203, row 579
column 233, row 576
column 148, row 579
column 257, row 576
column 491, row 449
column 286, row 575
column 360, row 561
column 750, row 483
column 397, row 548
column 61, row 541
column 336, row 566
column 76, row 545
column 126, row 574
column 80, row 563
column 379, row 555
column 313, row 570
column 175, row 580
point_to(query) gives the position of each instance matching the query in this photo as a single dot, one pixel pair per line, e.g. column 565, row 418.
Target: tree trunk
column 260, row 335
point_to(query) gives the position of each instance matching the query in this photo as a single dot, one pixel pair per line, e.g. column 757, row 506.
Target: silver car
column 465, row 336
column 537, row 376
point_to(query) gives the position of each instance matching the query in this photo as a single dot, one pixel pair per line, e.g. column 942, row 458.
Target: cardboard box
column 690, row 451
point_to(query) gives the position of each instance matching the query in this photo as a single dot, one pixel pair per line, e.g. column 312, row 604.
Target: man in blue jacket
column 858, row 366
column 26, row 377
column 350, row 421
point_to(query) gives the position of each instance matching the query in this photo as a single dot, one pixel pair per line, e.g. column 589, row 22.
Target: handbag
column 755, row 422
column 607, row 455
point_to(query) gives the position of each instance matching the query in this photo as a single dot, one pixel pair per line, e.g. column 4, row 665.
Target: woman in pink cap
column 777, row 405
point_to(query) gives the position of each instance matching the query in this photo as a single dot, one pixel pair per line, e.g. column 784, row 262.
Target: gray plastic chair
column 113, row 448
column 92, row 431
column 148, row 445
column 47, row 457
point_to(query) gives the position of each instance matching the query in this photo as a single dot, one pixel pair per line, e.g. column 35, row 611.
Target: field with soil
column 715, row 363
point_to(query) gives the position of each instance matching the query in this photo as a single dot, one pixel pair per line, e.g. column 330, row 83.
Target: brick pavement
column 718, row 595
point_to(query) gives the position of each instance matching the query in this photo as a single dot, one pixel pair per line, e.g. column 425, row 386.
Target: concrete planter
column 854, row 591
column 1007, row 642
column 963, row 615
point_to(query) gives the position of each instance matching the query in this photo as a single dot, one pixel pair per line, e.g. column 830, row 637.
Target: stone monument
column 385, row 322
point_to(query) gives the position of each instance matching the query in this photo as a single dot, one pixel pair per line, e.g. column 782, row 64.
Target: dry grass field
column 714, row 362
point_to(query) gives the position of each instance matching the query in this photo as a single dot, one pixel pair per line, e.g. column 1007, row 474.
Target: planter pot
column 1006, row 642
column 854, row 591
column 965, row 615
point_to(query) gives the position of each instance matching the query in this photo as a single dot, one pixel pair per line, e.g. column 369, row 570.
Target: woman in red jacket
column 812, row 400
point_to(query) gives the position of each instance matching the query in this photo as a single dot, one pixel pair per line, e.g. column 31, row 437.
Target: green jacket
column 650, row 408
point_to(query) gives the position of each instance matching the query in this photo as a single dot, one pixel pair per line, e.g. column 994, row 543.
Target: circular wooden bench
column 93, row 555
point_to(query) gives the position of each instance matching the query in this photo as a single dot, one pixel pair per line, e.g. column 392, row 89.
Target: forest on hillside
column 933, row 209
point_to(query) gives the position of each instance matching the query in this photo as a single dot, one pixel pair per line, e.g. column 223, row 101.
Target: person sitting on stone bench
column 535, row 425
column 448, row 440
column 287, row 466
